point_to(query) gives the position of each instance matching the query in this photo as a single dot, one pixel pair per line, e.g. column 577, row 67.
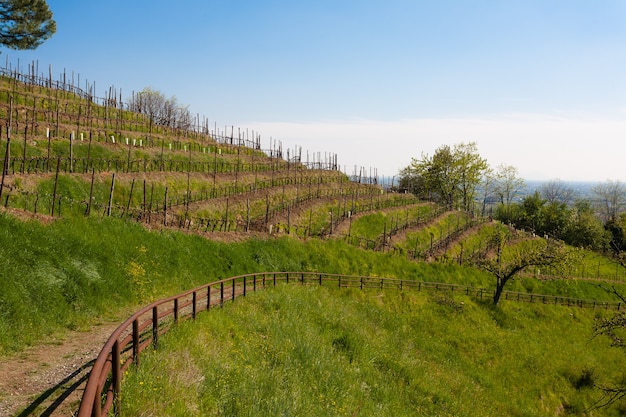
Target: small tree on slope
column 504, row 259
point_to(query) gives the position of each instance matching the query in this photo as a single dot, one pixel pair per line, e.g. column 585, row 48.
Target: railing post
column 136, row 342
column 194, row 301
column 117, row 377
column 155, row 327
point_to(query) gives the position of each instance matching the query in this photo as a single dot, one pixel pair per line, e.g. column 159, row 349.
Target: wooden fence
column 102, row 394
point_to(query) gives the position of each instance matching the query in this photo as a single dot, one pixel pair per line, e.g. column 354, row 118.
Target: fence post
column 117, row 377
column 136, row 342
column 208, row 297
column 155, row 327
column 176, row 310
column 194, row 301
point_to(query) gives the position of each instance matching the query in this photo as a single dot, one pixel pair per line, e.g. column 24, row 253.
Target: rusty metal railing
column 103, row 390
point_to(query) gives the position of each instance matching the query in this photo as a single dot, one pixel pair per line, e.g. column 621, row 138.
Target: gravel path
column 48, row 379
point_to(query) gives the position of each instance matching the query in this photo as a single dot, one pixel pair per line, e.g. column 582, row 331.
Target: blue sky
column 539, row 85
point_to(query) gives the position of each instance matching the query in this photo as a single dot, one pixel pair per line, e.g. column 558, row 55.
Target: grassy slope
column 73, row 271
column 66, row 274
column 327, row 352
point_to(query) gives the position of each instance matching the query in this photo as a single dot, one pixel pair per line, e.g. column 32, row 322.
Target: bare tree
column 610, row 199
column 161, row 111
column 557, row 191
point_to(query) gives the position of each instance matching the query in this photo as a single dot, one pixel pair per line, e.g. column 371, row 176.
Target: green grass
column 326, row 352
column 67, row 274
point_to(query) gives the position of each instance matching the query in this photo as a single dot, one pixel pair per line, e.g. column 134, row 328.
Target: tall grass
column 326, row 352
column 72, row 272
column 67, row 274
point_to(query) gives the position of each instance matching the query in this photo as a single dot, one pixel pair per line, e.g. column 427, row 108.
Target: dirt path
column 48, row 379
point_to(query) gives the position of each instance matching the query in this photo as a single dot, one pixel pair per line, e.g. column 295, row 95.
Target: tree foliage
column 507, row 184
column 451, row 176
column 25, row 24
column 576, row 225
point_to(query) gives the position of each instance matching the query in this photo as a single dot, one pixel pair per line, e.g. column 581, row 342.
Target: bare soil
column 49, row 379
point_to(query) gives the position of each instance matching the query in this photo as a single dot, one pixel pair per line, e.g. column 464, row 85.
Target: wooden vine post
column 111, row 195
column 88, row 209
column 56, row 182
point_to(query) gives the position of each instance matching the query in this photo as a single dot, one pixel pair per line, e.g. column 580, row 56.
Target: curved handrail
column 143, row 328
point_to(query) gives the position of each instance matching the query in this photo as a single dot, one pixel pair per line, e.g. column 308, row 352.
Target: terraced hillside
column 67, row 153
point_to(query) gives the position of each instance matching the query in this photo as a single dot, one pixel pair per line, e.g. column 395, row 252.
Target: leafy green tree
column 471, row 170
column 411, row 181
column 617, row 242
column 530, row 213
column 25, row 24
column 508, row 184
column 486, row 191
column 451, row 175
column 555, row 217
column 584, row 229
